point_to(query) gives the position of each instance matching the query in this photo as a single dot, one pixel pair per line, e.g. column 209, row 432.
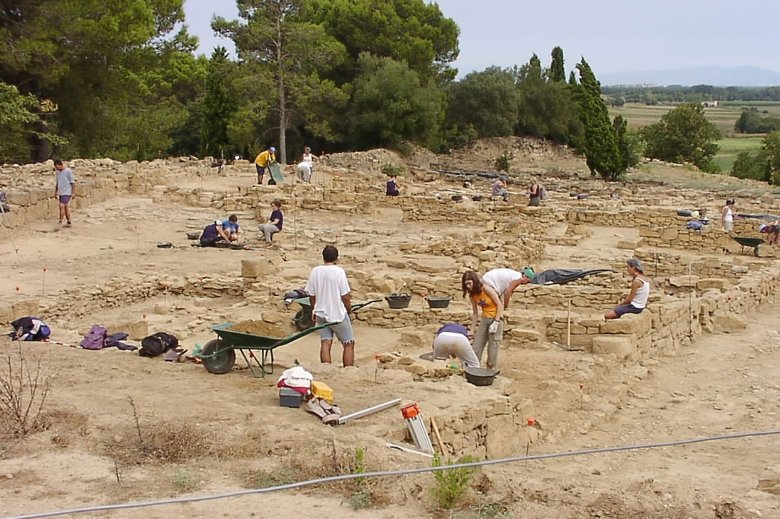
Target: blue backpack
column 95, row 338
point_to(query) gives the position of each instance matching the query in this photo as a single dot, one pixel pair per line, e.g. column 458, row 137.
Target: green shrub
column 451, row 484
column 391, row 169
column 504, row 161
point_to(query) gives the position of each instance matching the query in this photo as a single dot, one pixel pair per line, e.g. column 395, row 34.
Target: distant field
column 723, row 117
column 731, row 146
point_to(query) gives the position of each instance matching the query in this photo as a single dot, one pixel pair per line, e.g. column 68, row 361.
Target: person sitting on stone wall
column 499, row 189
column 636, row 300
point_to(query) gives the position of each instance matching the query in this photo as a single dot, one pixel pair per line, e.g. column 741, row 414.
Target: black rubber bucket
column 398, row 301
column 481, row 376
column 438, row 302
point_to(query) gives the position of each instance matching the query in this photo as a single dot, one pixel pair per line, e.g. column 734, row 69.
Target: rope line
column 391, row 473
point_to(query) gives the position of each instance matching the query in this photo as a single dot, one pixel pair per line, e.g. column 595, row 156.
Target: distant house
column 710, row 104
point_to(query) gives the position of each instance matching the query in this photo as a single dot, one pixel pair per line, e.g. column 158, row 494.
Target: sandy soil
column 203, row 434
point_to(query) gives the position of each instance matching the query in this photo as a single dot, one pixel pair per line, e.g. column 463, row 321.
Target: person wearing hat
column 772, row 229
column 636, row 300
column 263, row 161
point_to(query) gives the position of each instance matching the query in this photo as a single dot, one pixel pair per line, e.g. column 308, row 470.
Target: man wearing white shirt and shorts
column 329, row 294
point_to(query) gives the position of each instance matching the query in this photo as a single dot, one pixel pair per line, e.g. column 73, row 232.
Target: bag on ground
column 95, row 338
column 157, row 344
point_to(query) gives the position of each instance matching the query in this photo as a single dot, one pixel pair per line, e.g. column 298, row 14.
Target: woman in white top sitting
column 636, row 300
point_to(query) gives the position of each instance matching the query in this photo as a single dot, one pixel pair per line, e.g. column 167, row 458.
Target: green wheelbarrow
column 219, row 355
column 304, row 320
column 750, row 243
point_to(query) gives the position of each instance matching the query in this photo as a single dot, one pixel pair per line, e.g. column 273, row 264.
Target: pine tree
column 600, row 144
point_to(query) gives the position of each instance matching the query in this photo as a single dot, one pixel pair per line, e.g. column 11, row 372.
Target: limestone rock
column 621, row 346
column 728, row 323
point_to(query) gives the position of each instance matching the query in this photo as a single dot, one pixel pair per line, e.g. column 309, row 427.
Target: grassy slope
column 723, row 117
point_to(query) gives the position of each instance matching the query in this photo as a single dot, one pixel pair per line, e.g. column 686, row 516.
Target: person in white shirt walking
column 329, row 294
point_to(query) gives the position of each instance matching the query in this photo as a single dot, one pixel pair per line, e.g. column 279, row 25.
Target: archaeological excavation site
column 87, row 427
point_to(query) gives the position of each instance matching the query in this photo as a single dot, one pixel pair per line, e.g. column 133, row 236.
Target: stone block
column 629, row 323
column 524, row 338
column 728, row 322
column 684, row 281
column 135, row 330
column 255, row 268
column 622, row 347
column 504, row 437
column 708, row 283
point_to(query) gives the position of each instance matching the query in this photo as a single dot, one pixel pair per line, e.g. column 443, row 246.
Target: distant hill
column 713, row 75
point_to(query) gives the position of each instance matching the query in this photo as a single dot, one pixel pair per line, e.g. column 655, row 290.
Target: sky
column 612, row 35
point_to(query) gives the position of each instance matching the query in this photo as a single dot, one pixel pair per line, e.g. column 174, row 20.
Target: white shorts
column 448, row 344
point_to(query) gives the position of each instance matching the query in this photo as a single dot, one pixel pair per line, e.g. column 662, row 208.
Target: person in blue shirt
column 275, row 222
column 226, row 230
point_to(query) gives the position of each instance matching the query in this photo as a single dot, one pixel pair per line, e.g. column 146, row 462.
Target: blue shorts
column 64, row 199
column 627, row 309
column 342, row 330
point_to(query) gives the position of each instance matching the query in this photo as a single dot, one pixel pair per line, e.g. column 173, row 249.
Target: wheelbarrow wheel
column 217, row 358
column 302, row 320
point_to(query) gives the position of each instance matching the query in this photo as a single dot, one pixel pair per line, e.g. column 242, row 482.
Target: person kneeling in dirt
column 636, row 300
column 329, row 296
column 220, row 231
column 452, row 340
column 29, row 329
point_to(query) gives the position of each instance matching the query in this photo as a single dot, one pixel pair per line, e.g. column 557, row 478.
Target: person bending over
column 487, row 330
column 452, row 340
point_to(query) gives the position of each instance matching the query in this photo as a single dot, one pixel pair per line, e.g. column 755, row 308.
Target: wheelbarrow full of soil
column 219, row 355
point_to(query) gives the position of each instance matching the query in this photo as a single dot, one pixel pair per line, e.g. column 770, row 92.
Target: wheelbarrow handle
column 358, row 306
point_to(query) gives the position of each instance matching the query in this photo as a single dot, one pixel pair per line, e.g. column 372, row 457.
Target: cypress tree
column 600, row 144
column 557, row 71
column 219, row 104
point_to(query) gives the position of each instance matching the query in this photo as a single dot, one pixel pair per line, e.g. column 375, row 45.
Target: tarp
column 276, row 173
column 563, row 276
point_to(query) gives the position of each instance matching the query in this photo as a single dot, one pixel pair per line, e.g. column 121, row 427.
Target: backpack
column 157, row 344
column 95, row 338
column 542, row 193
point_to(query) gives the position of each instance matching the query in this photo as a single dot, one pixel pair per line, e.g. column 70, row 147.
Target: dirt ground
column 119, row 428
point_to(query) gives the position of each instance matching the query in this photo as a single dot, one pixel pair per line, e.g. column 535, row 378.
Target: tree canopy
column 683, row 135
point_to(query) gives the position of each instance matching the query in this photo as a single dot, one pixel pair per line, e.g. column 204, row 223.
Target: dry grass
column 24, row 387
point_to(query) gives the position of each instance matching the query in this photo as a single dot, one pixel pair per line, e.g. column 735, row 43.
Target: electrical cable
column 402, row 472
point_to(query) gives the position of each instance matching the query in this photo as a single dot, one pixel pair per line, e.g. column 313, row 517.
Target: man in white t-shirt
column 504, row 281
column 331, row 303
